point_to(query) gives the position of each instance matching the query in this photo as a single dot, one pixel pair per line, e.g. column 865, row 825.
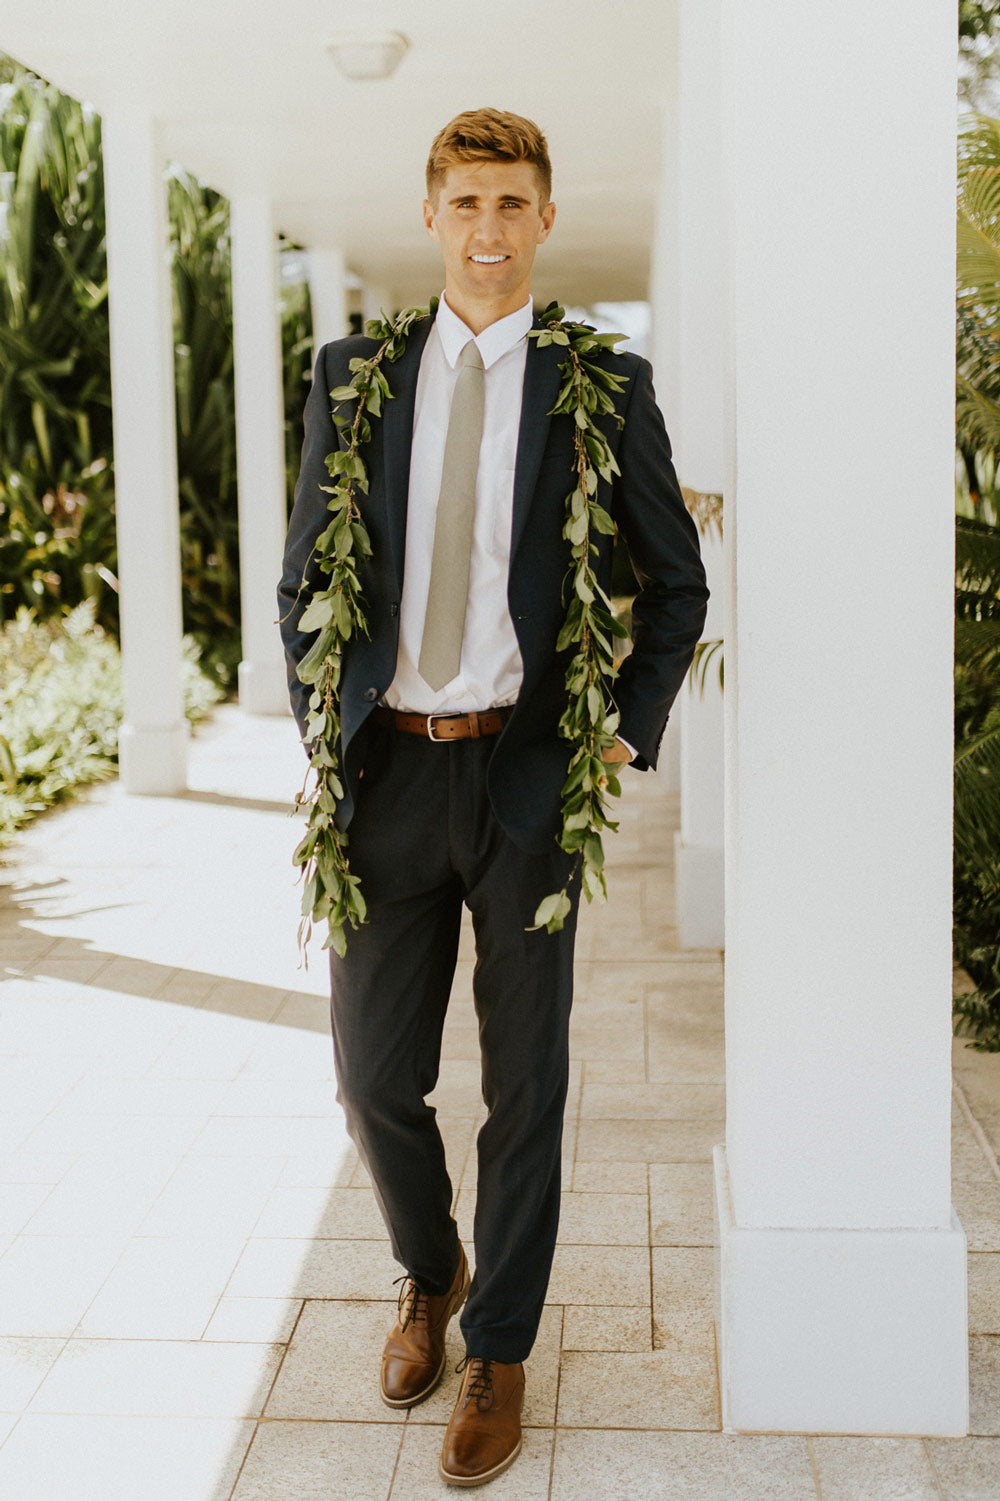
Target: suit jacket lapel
column 397, row 437
column 541, row 388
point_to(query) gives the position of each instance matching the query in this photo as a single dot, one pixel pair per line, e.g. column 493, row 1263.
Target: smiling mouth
column 488, row 260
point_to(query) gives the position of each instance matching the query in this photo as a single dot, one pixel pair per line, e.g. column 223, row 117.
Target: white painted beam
column 154, row 734
column 842, row 1267
column 260, row 451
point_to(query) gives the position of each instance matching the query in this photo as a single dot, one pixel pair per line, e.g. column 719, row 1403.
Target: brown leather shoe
column 484, row 1435
column 413, row 1360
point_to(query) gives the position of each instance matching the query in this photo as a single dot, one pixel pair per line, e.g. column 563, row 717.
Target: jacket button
column 371, row 694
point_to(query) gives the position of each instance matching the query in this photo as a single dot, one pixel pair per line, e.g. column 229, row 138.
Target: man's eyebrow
column 504, row 197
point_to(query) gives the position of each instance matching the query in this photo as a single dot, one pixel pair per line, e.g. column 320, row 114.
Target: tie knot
column 470, row 358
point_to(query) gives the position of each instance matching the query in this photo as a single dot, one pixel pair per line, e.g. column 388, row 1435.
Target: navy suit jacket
column 528, row 765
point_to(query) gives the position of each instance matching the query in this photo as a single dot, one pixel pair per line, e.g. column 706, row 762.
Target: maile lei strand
column 337, row 611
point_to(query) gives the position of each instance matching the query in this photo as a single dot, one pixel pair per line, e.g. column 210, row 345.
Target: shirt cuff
column 630, row 748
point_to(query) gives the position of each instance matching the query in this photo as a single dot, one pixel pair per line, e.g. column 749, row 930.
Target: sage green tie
column 448, row 594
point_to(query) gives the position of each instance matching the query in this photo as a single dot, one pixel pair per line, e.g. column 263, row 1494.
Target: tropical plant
column 57, row 524
column 60, row 708
column 977, row 584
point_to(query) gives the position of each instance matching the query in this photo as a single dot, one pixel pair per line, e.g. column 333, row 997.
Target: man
column 453, row 763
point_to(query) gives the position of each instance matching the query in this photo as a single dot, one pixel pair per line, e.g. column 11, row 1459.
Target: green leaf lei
column 590, row 721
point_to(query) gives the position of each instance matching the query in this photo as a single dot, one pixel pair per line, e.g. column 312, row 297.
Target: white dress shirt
column 491, row 668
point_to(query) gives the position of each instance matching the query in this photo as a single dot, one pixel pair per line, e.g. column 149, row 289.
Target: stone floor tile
column 664, row 1389
column 268, row 1136
column 104, row 1194
column 609, row 1177
column 254, row 1320
column 669, row 1060
column 24, row 1363
column 604, row 1219
column 289, row 1268
column 115, row 1135
column 8, row 1421
column 164, row 1287
column 681, row 1198
column 613, row 1275
column 18, row 1202
column 159, row 1378
column 335, row 1169
column 322, row 1213
column 977, row 1204
column 104, row 1095
column 655, row 1102
column 979, row 1077
column 984, row 1292
column 967, row 1468
column 49, row 1458
column 47, row 1282
column 214, row 1196
column 592, row 1327
column 36, row 1167
column 891, row 1469
column 675, row 1466
column 984, row 1384
column 683, row 1295
column 417, row 1477
column 296, row 1097
column 620, row 1038
column 648, row 1141
column 331, row 1369
column 319, row 1461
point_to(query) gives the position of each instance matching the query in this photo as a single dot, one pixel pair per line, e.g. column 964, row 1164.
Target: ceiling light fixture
column 366, row 57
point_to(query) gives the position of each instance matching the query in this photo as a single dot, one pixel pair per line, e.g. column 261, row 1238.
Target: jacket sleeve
column 668, row 614
column 300, row 573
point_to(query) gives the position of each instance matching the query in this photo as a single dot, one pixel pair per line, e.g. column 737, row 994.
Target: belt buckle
column 437, row 739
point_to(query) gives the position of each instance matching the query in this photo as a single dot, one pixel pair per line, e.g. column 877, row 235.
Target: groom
column 453, row 763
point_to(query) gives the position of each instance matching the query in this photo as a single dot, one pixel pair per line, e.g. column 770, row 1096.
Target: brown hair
column 483, row 135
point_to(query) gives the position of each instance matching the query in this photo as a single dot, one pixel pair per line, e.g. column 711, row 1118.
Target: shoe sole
column 470, row 1480
column 432, row 1386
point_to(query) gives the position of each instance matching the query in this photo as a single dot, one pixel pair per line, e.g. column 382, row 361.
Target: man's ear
column 548, row 219
column 429, row 224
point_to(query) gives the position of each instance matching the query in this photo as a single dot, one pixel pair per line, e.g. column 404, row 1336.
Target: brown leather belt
column 440, row 727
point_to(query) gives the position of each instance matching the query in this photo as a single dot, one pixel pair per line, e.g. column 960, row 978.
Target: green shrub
column 60, row 708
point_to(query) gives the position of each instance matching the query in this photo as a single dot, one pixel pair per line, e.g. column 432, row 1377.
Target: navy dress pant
column 424, row 841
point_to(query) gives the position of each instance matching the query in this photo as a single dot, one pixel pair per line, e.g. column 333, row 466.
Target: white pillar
column 327, row 296
column 842, row 1265
column 260, row 451
column 152, row 742
column 698, row 845
column 376, row 301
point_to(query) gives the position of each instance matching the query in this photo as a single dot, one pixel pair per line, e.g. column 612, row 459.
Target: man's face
column 488, row 222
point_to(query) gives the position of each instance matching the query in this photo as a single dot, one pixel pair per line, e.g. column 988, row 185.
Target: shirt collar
column 493, row 343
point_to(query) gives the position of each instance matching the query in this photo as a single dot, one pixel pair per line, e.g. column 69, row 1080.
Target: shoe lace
column 412, row 1303
column 480, row 1388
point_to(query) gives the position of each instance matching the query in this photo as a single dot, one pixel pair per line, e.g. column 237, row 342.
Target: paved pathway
column 194, row 1283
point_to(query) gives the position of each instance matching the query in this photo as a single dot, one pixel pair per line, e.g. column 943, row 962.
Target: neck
column 479, row 315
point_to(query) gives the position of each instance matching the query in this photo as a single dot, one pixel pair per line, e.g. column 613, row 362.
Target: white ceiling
column 249, row 100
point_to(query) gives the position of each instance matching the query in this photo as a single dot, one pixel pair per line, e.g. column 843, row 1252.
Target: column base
column 840, row 1331
column 263, row 688
column 699, row 873
column 153, row 761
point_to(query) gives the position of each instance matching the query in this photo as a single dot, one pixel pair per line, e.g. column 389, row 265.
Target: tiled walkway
column 195, row 1285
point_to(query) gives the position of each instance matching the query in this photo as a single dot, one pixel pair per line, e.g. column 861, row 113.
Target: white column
column 327, row 296
column 153, row 739
column 260, row 451
column 376, row 301
column 698, row 845
column 841, row 1265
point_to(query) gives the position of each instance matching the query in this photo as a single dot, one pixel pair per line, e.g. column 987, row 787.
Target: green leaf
column 552, row 912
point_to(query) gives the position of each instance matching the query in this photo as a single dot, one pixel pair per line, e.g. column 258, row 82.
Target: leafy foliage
column 977, row 586
column 57, row 520
column 60, row 708
column 332, row 893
